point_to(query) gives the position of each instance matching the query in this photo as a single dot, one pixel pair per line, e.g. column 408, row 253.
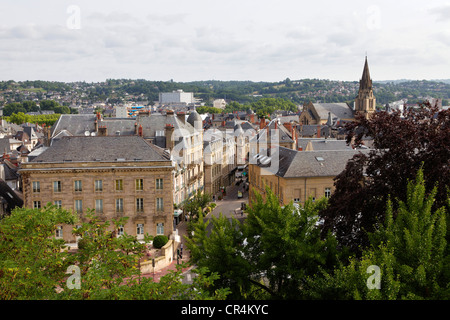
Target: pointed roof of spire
column 366, row 82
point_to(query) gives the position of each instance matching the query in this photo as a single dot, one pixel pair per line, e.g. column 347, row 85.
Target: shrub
column 160, row 241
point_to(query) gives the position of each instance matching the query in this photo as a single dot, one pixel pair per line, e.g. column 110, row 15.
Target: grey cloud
column 442, row 12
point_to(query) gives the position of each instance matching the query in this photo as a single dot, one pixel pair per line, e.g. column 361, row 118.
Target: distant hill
column 297, row 91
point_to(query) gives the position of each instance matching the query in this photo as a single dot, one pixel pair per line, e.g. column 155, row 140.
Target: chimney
column 169, row 112
column 318, row 131
column 262, row 123
column 169, row 129
column 140, row 131
column 181, row 116
column 252, row 118
column 99, row 116
column 102, row 131
column 135, row 128
column 288, row 126
column 223, row 123
column 300, row 149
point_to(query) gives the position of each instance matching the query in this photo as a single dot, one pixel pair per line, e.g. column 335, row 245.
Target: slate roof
column 297, row 164
column 328, row 144
column 108, row 148
column 338, row 110
column 78, row 124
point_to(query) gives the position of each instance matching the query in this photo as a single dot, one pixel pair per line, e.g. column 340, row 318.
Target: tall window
column 56, row 186
column 139, row 204
column 159, row 204
column 139, row 184
column 78, row 186
column 119, row 185
column 99, row 205
column 79, row 206
column 159, row 184
column 297, row 195
column 58, row 203
column 160, row 228
column 36, row 187
column 59, row 232
column 327, row 192
column 120, row 230
column 98, row 185
column 36, row 204
column 140, row 229
column 119, row 205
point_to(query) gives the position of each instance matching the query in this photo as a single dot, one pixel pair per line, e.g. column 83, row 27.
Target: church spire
column 365, row 82
column 365, row 101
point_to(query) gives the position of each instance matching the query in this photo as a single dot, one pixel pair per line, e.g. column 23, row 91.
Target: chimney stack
column 318, row 131
column 102, row 131
column 169, row 129
column 140, row 131
column 181, row 116
column 262, row 123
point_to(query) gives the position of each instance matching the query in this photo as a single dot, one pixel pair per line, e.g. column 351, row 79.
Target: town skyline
column 195, row 41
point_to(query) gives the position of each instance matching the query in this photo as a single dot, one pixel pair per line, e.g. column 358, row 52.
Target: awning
column 176, row 213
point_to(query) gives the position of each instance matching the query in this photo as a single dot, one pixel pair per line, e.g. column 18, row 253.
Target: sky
column 256, row 40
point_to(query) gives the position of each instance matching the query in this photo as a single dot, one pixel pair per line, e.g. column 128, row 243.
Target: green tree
column 33, row 263
column 410, row 251
column 221, row 253
column 32, row 260
column 284, row 245
column 198, row 203
column 270, row 255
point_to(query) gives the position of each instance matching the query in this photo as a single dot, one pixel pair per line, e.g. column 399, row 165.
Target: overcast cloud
column 257, row 40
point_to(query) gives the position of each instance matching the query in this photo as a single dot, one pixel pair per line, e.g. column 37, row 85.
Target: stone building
column 298, row 175
column 180, row 134
column 114, row 175
column 321, row 113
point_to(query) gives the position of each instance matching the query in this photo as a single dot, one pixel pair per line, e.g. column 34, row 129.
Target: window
column 58, row 203
column 36, row 204
column 312, row 193
column 297, row 195
column 140, row 229
column 119, row 185
column 327, row 192
column 59, row 232
column 159, row 184
column 99, row 205
column 78, row 186
column 56, row 186
column 119, row 205
column 99, row 185
column 159, row 228
column 120, row 230
column 159, row 204
column 36, row 187
column 139, row 204
column 139, row 184
column 79, row 206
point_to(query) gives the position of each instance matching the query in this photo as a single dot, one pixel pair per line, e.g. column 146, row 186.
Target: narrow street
column 230, row 203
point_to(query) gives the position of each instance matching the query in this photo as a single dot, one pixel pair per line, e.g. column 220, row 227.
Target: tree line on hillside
column 32, row 106
column 245, row 92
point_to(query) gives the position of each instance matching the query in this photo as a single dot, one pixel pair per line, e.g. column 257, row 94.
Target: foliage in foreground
column 34, row 264
column 277, row 253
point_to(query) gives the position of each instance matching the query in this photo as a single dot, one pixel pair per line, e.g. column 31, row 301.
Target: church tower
column 365, row 101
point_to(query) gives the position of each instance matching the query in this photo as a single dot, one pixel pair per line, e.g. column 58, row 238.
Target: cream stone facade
column 141, row 190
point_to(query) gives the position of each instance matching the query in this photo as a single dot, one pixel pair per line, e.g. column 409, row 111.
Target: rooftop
column 102, row 148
